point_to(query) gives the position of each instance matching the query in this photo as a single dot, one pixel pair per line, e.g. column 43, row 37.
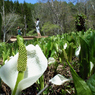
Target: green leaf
column 56, row 47
column 0, row 24
column 84, row 58
column 81, row 87
column 91, row 83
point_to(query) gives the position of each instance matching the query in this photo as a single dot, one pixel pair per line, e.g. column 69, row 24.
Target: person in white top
column 37, row 27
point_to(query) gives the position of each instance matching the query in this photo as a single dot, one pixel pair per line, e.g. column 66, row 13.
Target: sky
column 27, row 1
column 31, row 1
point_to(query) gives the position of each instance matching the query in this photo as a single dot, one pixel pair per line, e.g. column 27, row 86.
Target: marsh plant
column 23, row 69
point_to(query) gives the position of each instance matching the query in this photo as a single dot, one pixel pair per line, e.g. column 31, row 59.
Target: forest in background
column 56, row 17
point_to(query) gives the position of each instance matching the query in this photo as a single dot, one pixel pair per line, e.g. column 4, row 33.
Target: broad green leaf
column 84, row 58
column 91, row 83
column 80, row 85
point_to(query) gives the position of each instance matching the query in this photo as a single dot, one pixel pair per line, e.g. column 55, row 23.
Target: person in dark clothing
column 19, row 30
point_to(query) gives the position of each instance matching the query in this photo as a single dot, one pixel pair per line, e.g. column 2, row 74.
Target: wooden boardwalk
column 13, row 38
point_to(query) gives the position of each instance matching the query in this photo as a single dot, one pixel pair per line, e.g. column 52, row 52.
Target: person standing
column 37, row 27
column 18, row 30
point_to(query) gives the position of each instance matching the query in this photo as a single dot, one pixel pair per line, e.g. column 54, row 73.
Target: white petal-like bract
column 77, row 52
column 58, row 80
column 36, row 66
column 51, row 60
column 65, row 46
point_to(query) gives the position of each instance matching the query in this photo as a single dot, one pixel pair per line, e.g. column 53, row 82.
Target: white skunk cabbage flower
column 60, row 51
column 91, row 66
column 8, row 60
column 36, row 66
column 77, row 52
column 51, row 60
column 58, row 80
column 65, row 46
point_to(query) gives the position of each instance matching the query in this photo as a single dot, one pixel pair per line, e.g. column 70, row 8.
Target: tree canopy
column 60, row 14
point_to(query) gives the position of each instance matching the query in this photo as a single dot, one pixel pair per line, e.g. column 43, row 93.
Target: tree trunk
column 4, row 36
